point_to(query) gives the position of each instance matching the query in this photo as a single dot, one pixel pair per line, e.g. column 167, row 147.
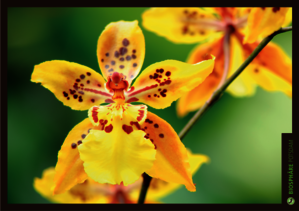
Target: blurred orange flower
column 271, row 69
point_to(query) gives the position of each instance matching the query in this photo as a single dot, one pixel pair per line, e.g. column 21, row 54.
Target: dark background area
column 242, row 136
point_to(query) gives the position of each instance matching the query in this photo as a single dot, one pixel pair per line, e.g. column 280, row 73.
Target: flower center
column 117, row 84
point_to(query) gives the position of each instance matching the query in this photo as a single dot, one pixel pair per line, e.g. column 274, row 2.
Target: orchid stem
column 216, row 95
column 145, row 184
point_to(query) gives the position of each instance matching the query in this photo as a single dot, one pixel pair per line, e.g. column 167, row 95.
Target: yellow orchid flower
column 120, row 141
column 92, row 192
column 271, row 69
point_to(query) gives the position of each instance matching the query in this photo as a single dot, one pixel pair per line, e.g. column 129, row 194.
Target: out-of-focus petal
column 243, row 85
column 288, row 17
column 69, row 168
column 121, row 48
column 196, row 98
column 182, row 25
column 164, row 82
column 119, row 153
column 75, row 85
column 274, row 74
column 172, row 163
column 263, row 21
column 87, row 192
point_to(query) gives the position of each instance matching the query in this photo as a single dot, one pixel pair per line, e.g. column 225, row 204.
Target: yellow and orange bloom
column 271, row 69
column 92, row 192
column 120, row 141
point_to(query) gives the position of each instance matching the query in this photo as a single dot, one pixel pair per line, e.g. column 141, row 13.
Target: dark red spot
column 263, row 8
column 80, row 99
column 161, row 135
column 88, row 73
column 135, row 65
column 103, row 123
column 79, row 142
column 99, row 85
column 102, row 60
column 155, row 95
column 75, row 96
column 128, row 58
column 87, row 81
column 127, row 128
column 72, row 91
column 149, row 121
column 163, row 93
column 81, row 92
column 109, row 101
column 107, row 54
column 126, row 42
column 161, row 70
column 78, row 80
column 156, row 76
column 159, row 90
column 74, row 145
column 150, row 76
column 81, row 84
column 201, row 32
column 186, row 11
column 275, row 9
column 82, row 76
column 121, row 59
column 108, row 128
column 68, row 98
column 65, row 94
column 185, row 29
column 136, row 124
column 133, row 99
column 133, row 56
column 168, row 82
column 121, row 66
column 256, row 70
column 123, row 51
column 144, row 89
column 116, row 54
column 141, row 115
column 134, row 51
column 149, row 96
column 156, row 125
column 145, row 128
column 168, row 73
column 92, row 100
column 83, row 136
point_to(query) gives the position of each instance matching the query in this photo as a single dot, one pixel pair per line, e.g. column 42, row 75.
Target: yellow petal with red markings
column 243, row 85
column 164, row 82
column 69, row 168
column 288, row 17
column 121, row 48
column 75, row 85
column 130, row 115
column 263, row 21
column 87, row 192
column 119, row 153
column 172, row 163
column 182, row 25
column 197, row 97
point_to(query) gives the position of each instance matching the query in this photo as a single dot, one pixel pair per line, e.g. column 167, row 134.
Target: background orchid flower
column 120, row 141
column 92, row 192
column 271, row 69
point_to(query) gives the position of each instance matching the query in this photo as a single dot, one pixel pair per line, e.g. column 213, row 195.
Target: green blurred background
column 242, row 136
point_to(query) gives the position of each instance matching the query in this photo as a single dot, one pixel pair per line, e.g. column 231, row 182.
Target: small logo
column 290, row 201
